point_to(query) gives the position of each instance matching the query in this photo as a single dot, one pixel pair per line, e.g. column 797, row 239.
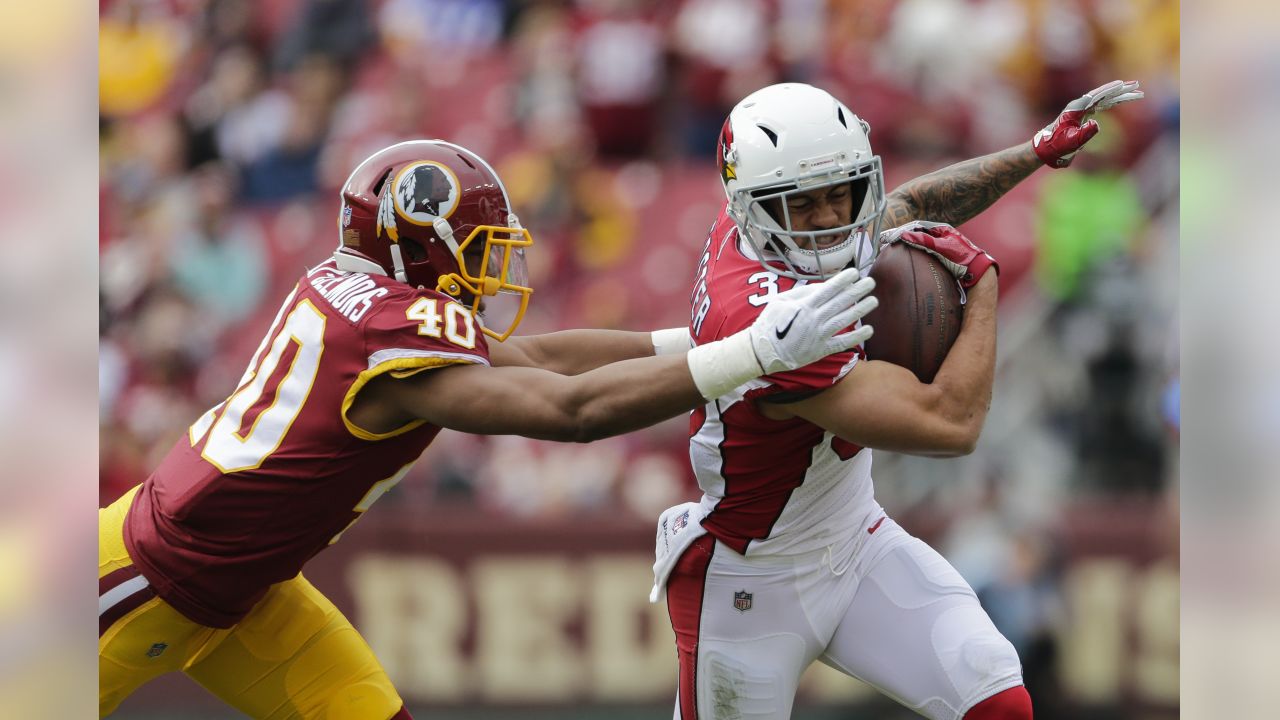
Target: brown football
column 919, row 314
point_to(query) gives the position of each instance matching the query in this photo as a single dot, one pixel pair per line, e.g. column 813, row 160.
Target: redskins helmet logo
column 424, row 191
column 726, row 155
column 420, row 193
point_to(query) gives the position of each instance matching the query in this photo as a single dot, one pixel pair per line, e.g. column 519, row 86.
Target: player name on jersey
column 351, row 294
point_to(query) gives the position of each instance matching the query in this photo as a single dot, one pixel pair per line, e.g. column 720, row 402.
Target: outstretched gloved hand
column 803, row 325
column 1057, row 144
column 798, row 327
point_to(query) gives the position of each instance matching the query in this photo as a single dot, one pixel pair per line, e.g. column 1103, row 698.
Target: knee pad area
column 974, row 655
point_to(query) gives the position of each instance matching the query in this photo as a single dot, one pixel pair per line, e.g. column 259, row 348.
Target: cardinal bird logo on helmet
column 726, row 155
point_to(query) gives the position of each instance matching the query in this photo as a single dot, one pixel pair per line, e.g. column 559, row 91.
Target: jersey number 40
column 230, row 447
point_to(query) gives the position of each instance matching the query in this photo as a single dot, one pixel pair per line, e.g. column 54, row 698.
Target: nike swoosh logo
column 783, row 332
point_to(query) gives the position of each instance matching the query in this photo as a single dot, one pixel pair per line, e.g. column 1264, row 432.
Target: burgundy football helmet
column 435, row 215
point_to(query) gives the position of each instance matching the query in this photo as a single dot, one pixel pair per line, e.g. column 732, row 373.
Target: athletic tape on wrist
column 670, row 341
column 723, row 365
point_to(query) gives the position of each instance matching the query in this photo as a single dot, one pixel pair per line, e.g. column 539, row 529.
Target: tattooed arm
column 958, row 192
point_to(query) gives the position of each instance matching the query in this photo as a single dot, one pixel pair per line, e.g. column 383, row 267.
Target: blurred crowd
column 228, row 126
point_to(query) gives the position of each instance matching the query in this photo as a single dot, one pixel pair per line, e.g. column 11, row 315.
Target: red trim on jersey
column 762, row 463
column 697, row 419
column 844, row 449
column 813, row 378
column 685, row 590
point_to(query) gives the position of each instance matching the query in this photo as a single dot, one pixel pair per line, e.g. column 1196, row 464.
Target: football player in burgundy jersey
column 371, row 354
column 788, row 558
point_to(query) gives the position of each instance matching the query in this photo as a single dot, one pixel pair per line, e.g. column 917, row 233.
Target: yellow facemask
column 502, row 270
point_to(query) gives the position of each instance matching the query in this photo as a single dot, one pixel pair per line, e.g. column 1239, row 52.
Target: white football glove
column 800, row 326
column 797, row 327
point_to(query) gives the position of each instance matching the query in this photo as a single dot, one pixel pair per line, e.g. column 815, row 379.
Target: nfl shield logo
column 346, row 216
column 157, row 649
column 742, row 601
column 681, row 521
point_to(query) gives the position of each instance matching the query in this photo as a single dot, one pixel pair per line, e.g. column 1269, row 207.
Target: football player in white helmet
column 782, row 149
column 786, row 146
column 787, row 558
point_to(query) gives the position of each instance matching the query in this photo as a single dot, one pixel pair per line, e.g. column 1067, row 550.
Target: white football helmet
column 793, row 138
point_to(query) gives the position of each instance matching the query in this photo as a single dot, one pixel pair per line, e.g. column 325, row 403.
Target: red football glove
column 957, row 253
column 1057, row 144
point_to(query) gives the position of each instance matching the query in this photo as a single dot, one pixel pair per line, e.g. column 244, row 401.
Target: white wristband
column 670, row 341
column 723, row 365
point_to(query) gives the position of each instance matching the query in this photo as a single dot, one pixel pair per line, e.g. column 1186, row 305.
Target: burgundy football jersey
column 769, row 485
column 275, row 473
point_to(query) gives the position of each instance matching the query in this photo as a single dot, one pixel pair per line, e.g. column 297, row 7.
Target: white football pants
column 885, row 608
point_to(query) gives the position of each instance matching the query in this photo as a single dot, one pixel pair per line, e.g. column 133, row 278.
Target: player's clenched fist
column 1057, row 144
column 957, row 253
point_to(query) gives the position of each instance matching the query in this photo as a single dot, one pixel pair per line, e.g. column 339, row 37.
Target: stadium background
column 507, row 577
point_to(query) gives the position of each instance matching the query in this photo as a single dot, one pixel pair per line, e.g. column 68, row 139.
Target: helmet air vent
column 840, row 116
column 773, row 136
column 414, row 250
column 377, row 187
column 467, row 160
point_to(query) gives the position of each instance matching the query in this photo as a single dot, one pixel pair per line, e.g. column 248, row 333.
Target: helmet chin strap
column 828, row 261
column 398, row 261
